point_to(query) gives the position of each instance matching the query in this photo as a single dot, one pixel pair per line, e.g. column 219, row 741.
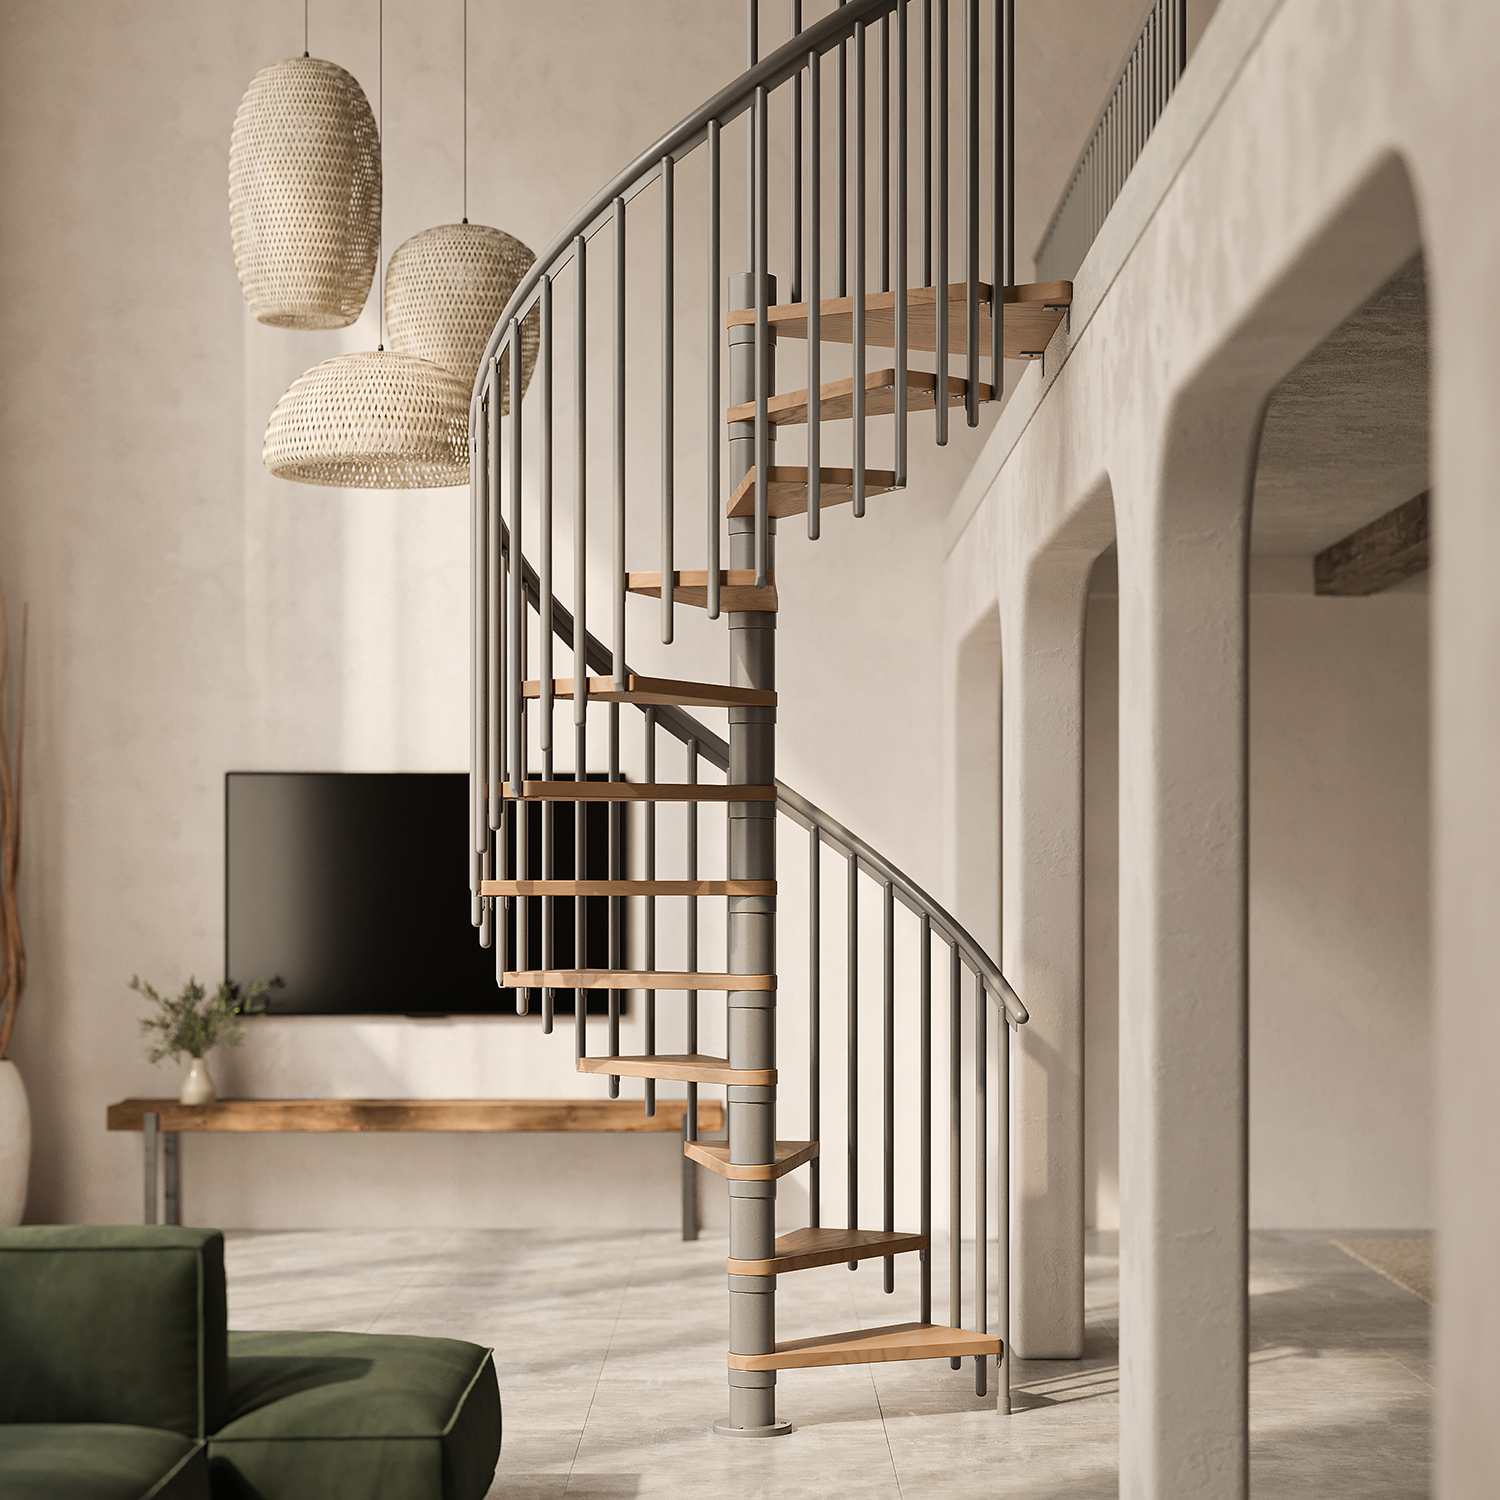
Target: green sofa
column 120, row 1381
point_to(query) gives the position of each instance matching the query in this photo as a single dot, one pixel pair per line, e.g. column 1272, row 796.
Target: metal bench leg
column 689, row 1187
column 148, row 1144
column 169, row 1142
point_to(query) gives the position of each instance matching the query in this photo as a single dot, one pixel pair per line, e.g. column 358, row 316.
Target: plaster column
column 1183, row 1049
column 1042, row 837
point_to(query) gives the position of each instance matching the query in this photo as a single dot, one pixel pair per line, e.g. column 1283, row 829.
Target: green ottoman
column 99, row 1461
column 380, row 1416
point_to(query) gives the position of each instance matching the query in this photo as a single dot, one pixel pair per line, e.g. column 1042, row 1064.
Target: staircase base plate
column 776, row 1429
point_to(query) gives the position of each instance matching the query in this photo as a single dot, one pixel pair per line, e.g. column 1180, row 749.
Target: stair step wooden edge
column 1030, row 318
column 786, row 489
column 627, row 888
column 690, row 1067
column 737, row 589
column 837, row 398
column 660, row 690
column 638, row 791
column 803, row 1249
column 715, row 1156
column 634, row 979
column 871, row 1346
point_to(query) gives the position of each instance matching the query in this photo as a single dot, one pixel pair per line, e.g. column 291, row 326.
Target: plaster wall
column 1341, row 1096
column 190, row 615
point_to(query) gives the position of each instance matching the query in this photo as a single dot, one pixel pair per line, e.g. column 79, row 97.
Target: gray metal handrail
column 1132, row 105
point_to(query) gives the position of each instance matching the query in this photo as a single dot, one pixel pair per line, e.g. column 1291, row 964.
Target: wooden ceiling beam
column 1389, row 549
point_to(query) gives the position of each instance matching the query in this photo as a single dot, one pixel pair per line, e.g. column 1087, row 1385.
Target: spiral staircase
column 566, row 855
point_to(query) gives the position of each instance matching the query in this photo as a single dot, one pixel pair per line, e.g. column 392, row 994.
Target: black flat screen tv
column 352, row 890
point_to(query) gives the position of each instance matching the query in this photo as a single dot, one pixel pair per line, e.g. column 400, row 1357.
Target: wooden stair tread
column 634, row 979
column 1031, row 315
column 658, row 690
column 786, row 489
column 871, row 1346
column 737, row 589
column 791, row 407
column 683, row 1067
column 639, row 791
column 715, row 1156
column 804, row 1248
column 627, row 888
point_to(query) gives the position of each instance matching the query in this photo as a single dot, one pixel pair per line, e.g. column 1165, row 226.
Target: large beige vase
column 15, row 1144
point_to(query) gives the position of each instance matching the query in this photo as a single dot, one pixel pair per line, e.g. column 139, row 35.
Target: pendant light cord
column 380, row 132
column 305, row 52
column 466, row 111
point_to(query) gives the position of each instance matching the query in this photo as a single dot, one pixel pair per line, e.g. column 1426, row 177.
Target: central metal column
column 751, row 929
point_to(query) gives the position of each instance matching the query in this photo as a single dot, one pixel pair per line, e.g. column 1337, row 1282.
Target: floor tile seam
column 1415, row 1374
column 625, row 1285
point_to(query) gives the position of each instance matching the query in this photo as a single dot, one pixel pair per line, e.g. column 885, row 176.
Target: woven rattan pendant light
column 304, row 195
column 380, row 421
column 446, row 287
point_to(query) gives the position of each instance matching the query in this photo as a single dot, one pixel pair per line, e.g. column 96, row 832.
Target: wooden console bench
column 167, row 1118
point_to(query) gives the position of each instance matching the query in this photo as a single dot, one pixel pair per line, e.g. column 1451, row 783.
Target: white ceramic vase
column 198, row 1086
column 15, row 1145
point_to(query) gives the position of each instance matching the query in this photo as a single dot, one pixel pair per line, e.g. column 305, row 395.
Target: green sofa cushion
column 97, row 1461
column 113, row 1325
column 315, row 1416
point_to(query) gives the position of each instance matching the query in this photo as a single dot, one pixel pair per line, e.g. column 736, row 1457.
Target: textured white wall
column 1341, row 1098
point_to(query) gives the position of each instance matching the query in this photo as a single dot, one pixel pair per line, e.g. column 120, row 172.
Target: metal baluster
column 925, row 1111
column 522, row 813
column 926, row 142
column 715, row 414
column 497, row 809
column 859, row 270
column 752, row 56
column 955, row 1147
column 901, row 245
column 516, row 663
column 1008, row 268
column 940, row 390
column 794, row 163
column 580, row 496
column 580, row 867
column 615, row 873
column 814, row 1021
column 971, row 210
column 999, row 281
column 546, row 667
column 889, row 1163
column 851, row 969
column 814, row 293
column 692, row 934
column 479, row 836
column 981, row 1175
column 841, row 159
column 1002, row 1197
column 648, row 851
column 620, row 684
column 516, row 669
column 668, row 403
column 883, row 184
column 762, row 351
column 580, row 626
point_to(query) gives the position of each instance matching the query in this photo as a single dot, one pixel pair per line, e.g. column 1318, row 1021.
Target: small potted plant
column 195, row 1023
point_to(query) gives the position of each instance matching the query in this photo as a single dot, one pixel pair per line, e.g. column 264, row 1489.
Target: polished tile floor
column 610, row 1350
